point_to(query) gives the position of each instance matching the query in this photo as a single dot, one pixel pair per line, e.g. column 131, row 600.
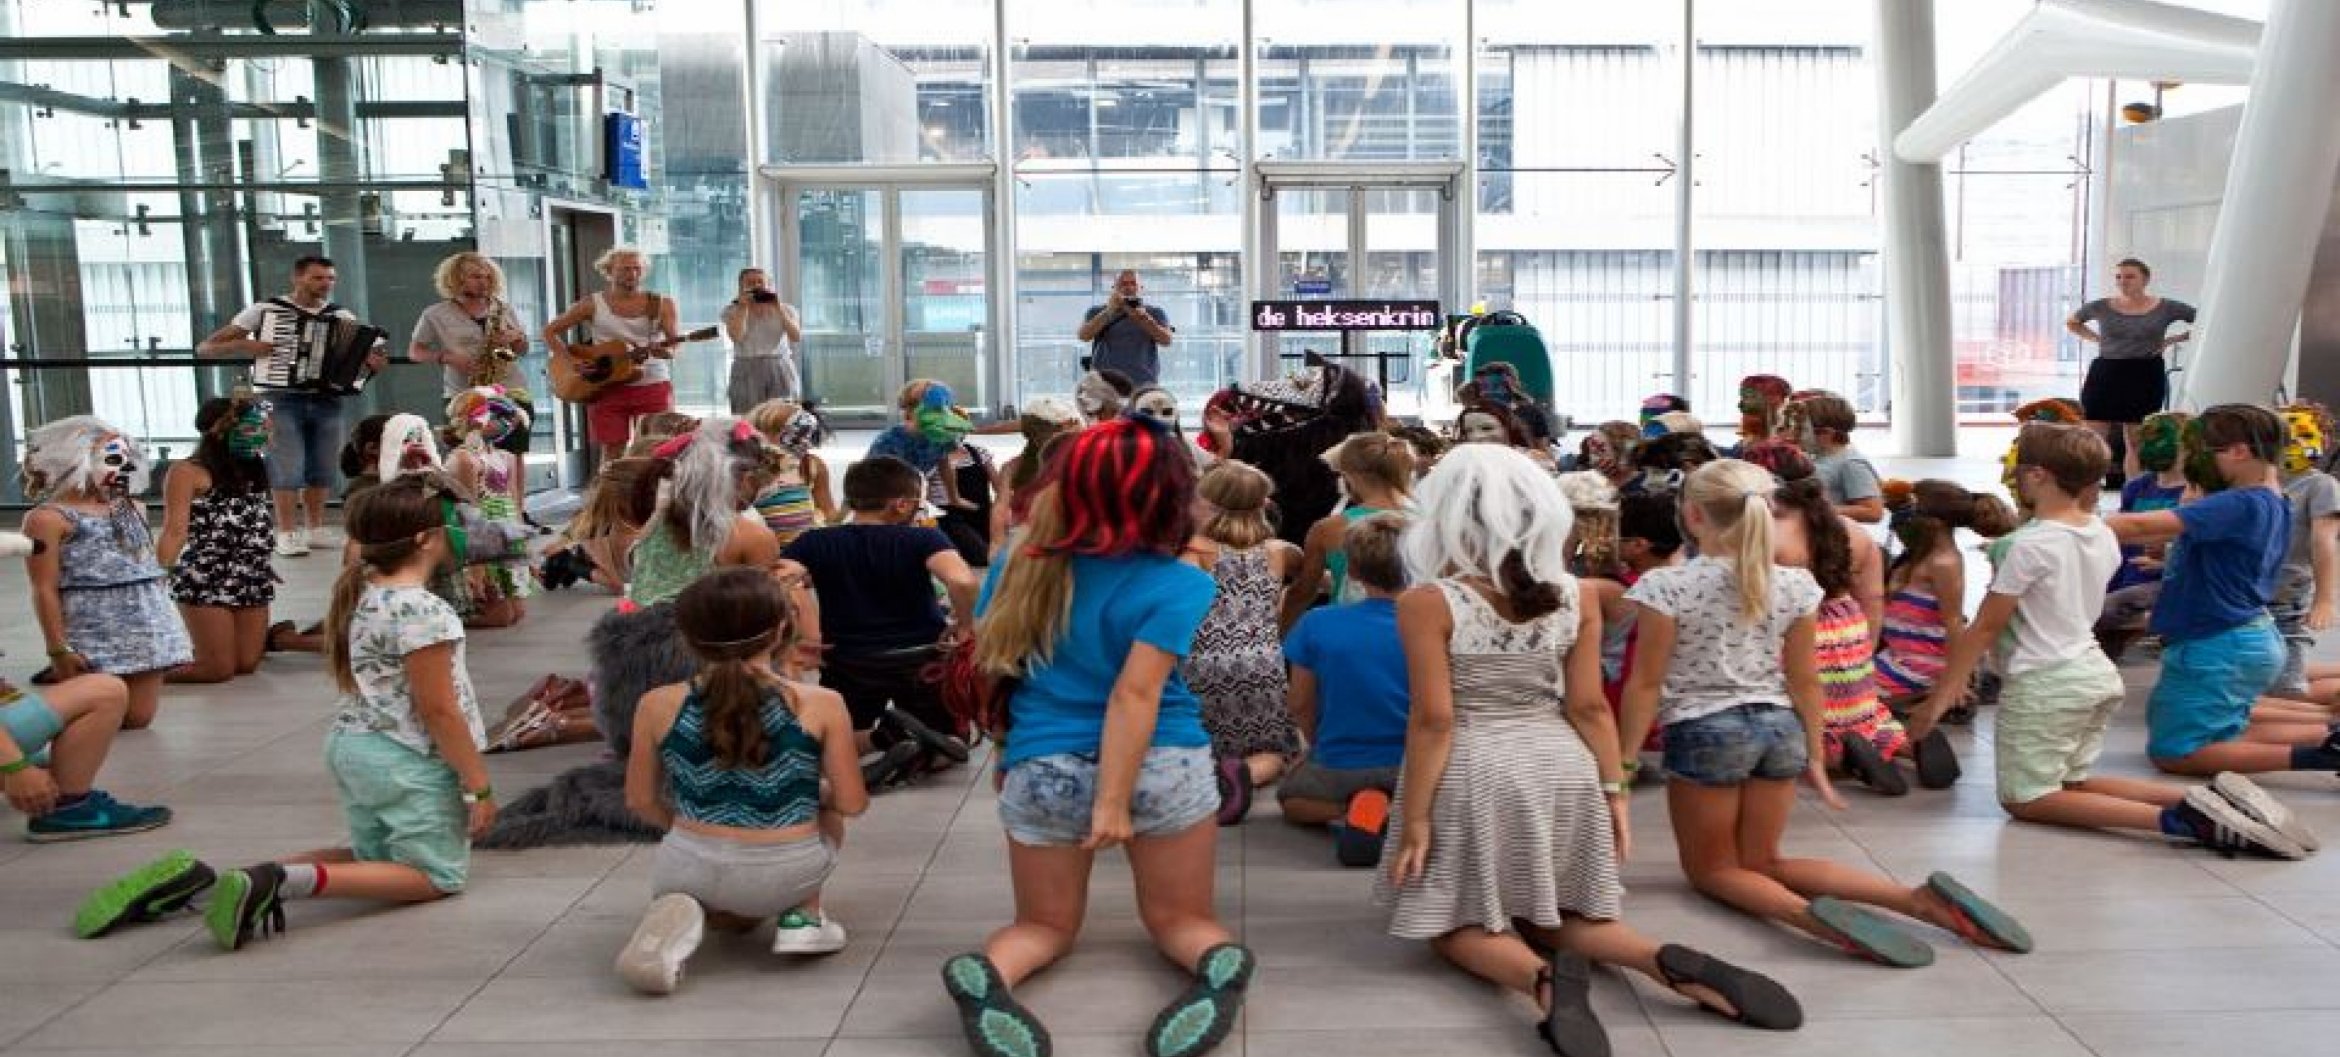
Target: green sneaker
column 1202, row 1017
column 97, row 815
column 148, row 893
column 244, row 905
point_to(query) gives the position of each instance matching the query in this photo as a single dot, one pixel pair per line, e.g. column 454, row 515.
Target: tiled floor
column 2143, row 950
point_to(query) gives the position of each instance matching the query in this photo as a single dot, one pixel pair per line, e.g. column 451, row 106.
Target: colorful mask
column 945, row 424
column 82, row 455
column 1655, row 405
column 2055, row 409
column 487, row 412
column 2304, row 444
column 1761, row 396
column 801, row 434
column 247, row 433
column 2201, row 461
column 2007, row 464
column 1596, row 453
column 2158, row 440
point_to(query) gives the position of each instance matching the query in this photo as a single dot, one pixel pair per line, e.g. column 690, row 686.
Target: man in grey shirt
column 1126, row 334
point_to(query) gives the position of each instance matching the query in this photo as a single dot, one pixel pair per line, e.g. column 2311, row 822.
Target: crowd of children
column 1458, row 674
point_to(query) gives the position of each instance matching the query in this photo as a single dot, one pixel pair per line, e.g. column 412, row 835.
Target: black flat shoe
column 1756, row 1000
column 1570, row 1027
column 1867, row 766
column 1937, row 762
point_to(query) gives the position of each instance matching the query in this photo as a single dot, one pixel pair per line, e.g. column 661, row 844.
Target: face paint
column 2201, row 462
column 248, row 437
column 1158, row 405
column 115, row 461
column 2303, row 450
column 1478, row 428
column 2158, row 441
column 1599, row 454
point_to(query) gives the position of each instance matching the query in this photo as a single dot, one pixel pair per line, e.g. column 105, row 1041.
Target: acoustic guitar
column 591, row 370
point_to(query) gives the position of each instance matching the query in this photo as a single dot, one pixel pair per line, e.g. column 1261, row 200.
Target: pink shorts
column 610, row 420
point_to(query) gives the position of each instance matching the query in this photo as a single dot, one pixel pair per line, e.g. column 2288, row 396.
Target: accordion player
column 320, row 352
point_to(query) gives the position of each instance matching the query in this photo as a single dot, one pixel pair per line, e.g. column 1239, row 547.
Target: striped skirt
column 1848, row 683
column 1916, row 646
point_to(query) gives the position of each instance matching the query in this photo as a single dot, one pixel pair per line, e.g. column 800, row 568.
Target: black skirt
column 2124, row 390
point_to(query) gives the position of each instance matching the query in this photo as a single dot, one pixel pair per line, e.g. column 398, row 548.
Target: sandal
column 996, row 1024
column 281, row 627
column 1759, row 1001
column 1976, row 919
column 1866, row 935
column 1201, row 1018
column 1937, row 762
column 1865, row 765
column 1570, row 1026
column 1234, row 790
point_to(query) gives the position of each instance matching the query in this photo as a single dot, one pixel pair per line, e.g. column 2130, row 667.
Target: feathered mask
column 487, row 411
column 714, row 466
column 82, row 455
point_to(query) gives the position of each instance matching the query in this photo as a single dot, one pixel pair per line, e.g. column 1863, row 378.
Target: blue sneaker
column 97, row 815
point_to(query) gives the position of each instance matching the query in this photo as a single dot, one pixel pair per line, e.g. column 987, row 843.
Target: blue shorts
column 31, row 723
column 2208, row 686
column 1045, row 801
column 1736, row 744
column 304, row 439
column 402, row 806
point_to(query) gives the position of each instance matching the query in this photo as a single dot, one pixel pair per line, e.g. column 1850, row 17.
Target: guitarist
column 643, row 320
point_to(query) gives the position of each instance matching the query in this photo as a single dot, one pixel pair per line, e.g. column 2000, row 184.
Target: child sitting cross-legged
column 1348, row 696
column 2060, row 692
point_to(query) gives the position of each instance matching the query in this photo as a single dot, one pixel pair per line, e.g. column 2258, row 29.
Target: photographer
column 764, row 334
column 1126, row 334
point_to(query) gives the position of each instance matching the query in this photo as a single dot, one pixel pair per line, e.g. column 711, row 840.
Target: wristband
column 1631, row 767
column 62, row 652
column 481, row 795
column 1613, row 788
column 22, row 763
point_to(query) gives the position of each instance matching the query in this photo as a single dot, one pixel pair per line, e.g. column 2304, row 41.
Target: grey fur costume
column 633, row 653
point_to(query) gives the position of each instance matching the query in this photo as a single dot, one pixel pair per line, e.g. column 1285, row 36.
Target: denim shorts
column 1736, row 744
column 402, row 806
column 2208, row 686
column 304, row 439
column 1045, row 801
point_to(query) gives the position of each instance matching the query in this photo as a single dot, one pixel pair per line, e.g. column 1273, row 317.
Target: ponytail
column 1033, row 600
column 1749, row 543
column 388, row 524
column 1529, row 597
column 734, row 700
column 712, row 614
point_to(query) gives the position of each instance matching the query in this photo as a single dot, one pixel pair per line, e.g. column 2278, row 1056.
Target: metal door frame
column 1446, row 177
column 784, row 186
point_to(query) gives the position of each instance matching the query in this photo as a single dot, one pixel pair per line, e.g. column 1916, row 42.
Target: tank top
column 787, row 506
column 114, row 549
column 662, row 568
column 608, row 325
column 1336, row 561
column 784, row 792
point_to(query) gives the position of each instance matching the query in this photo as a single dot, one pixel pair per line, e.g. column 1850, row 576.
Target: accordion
column 324, row 352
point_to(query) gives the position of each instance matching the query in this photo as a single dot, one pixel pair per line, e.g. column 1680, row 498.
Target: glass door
column 892, row 283
column 1360, row 236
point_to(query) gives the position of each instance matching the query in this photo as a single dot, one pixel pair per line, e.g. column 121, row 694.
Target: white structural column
column 2277, row 193
column 1917, row 249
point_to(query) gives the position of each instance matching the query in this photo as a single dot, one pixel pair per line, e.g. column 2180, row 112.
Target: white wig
column 407, row 446
column 61, row 458
column 1482, row 504
column 1054, row 409
column 1588, row 490
column 707, row 474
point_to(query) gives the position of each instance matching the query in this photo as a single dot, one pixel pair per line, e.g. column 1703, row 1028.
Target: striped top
column 1520, row 827
column 784, row 792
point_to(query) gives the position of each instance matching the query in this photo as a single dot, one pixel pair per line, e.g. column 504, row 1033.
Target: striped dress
column 1916, row 646
column 1848, row 682
column 1520, row 828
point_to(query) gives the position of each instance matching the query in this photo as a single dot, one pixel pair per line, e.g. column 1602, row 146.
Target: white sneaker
column 802, row 933
column 2230, row 830
column 2264, row 808
column 671, row 929
column 324, row 538
column 293, row 544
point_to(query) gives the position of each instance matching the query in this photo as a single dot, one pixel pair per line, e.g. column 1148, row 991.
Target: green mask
column 248, row 437
column 2158, row 440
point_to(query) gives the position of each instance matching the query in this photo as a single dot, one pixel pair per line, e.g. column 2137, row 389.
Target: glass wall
column 1127, row 155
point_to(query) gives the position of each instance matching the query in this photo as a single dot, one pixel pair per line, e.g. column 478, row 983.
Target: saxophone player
column 471, row 334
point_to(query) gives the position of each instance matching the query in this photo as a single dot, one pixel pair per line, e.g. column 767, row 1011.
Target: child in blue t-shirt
column 1090, row 610
column 2220, row 648
column 1349, row 696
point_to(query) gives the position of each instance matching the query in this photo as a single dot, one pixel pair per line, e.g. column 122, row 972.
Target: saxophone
column 493, row 365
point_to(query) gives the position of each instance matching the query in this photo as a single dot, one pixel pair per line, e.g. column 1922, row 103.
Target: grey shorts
column 1311, row 782
column 747, row 880
column 1045, row 801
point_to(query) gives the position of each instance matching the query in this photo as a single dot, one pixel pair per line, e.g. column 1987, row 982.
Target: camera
column 764, row 297
column 1133, row 302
